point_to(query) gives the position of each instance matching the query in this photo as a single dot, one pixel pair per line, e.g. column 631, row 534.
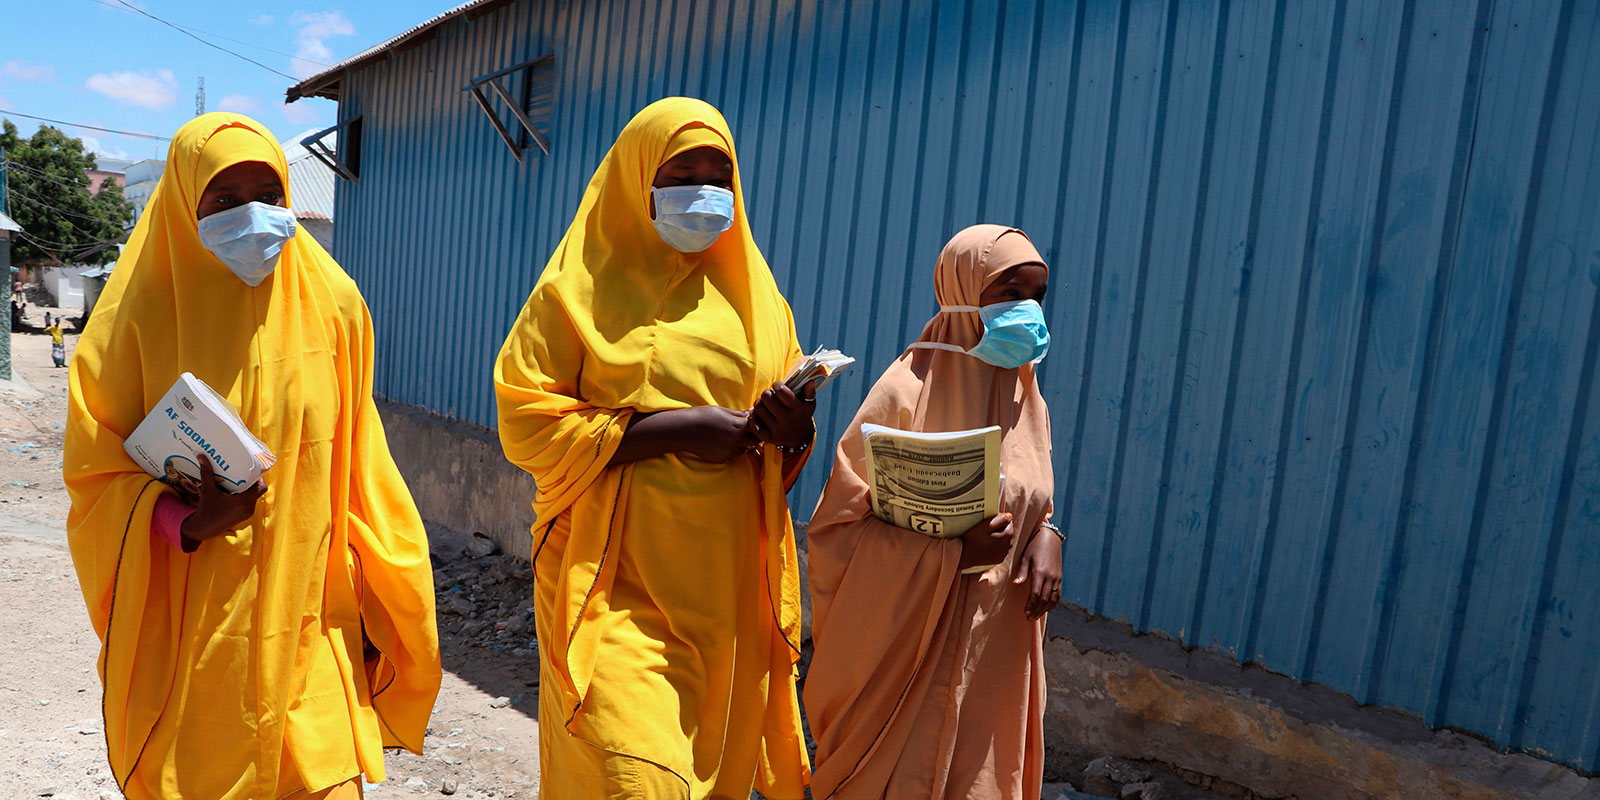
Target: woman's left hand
column 782, row 417
column 1041, row 570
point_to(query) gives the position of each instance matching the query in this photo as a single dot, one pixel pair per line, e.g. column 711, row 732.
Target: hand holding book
column 987, row 543
column 783, row 418
column 218, row 512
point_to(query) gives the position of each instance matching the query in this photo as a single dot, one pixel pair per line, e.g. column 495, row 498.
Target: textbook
column 823, row 365
column 937, row 484
column 191, row 419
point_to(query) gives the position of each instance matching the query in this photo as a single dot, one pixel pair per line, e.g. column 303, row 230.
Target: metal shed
column 1324, row 302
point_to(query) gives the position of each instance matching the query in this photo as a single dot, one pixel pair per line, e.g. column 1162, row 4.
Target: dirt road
column 51, row 731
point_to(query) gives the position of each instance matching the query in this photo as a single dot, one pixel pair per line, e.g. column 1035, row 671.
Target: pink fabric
column 167, row 521
column 927, row 683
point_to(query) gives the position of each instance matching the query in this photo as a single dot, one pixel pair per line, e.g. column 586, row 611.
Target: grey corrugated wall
column 1324, row 301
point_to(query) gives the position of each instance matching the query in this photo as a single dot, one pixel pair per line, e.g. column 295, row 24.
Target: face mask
column 249, row 238
column 1014, row 334
column 690, row 218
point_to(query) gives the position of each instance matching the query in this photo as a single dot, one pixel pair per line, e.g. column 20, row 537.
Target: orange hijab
column 902, row 602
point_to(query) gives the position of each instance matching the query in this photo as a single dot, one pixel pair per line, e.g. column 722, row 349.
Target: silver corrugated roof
column 8, row 224
column 326, row 82
column 311, row 182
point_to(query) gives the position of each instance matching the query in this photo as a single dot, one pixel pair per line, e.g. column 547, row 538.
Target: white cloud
column 158, row 91
column 239, row 104
column 101, row 149
column 23, row 71
column 315, row 28
column 264, row 19
column 301, row 113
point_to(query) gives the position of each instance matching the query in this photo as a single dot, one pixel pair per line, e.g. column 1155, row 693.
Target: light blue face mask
column 1014, row 334
column 248, row 239
column 690, row 218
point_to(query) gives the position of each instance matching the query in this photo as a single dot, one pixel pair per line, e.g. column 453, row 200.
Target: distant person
column 19, row 305
column 267, row 644
column 58, row 345
column 927, row 682
column 638, row 388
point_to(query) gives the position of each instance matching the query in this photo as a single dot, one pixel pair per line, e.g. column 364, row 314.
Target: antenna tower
column 200, row 96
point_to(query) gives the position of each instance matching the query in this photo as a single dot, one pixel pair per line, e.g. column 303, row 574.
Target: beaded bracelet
column 794, row 450
column 1053, row 529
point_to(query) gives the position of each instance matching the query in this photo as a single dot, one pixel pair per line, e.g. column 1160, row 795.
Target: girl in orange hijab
column 637, row 387
column 270, row 643
column 928, row 682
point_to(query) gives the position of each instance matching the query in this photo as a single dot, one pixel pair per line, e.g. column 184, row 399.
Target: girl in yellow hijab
column 267, row 644
column 638, row 388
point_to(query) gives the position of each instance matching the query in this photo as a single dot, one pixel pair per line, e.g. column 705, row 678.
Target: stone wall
column 459, row 477
column 1147, row 699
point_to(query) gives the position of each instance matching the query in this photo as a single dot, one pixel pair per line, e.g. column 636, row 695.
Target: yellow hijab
column 621, row 322
column 219, row 665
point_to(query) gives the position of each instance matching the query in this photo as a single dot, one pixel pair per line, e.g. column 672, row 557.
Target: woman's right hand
column 987, row 542
column 713, row 433
column 218, row 512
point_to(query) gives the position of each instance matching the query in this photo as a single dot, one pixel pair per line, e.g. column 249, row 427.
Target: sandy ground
column 51, row 737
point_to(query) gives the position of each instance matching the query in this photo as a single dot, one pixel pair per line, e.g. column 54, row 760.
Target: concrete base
column 1146, row 698
column 459, row 477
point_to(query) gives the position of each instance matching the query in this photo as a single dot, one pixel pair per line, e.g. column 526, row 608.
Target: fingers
column 784, row 397
column 1044, row 595
column 207, row 472
column 1040, row 595
column 765, row 422
column 1023, row 570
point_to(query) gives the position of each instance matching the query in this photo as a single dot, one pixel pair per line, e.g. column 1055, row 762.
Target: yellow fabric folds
column 667, row 591
column 237, row 671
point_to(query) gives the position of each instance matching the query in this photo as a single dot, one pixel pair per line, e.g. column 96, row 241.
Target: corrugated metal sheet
column 8, row 224
column 312, row 185
column 1324, row 305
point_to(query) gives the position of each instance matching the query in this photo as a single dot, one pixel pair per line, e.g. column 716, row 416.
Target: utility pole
column 5, row 279
column 200, row 96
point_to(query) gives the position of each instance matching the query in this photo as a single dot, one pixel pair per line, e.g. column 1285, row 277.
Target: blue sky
column 99, row 63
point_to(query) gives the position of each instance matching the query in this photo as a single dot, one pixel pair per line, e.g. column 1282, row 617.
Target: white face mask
column 690, row 218
column 249, row 238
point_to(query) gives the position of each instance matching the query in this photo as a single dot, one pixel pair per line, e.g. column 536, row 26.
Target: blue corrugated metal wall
column 1324, row 304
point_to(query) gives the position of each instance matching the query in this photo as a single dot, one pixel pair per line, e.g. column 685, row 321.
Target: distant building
column 112, row 168
column 141, row 179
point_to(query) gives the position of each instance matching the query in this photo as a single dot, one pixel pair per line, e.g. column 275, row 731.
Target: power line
column 42, row 175
column 179, row 29
column 9, row 113
column 214, row 35
column 62, row 247
column 36, row 201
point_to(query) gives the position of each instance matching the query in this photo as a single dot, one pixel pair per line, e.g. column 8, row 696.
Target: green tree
column 47, row 193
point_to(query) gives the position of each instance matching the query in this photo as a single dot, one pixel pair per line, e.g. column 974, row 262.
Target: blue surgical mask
column 249, row 239
column 690, row 218
column 1014, row 334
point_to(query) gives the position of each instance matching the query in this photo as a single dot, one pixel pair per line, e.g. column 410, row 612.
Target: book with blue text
column 193, row 419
